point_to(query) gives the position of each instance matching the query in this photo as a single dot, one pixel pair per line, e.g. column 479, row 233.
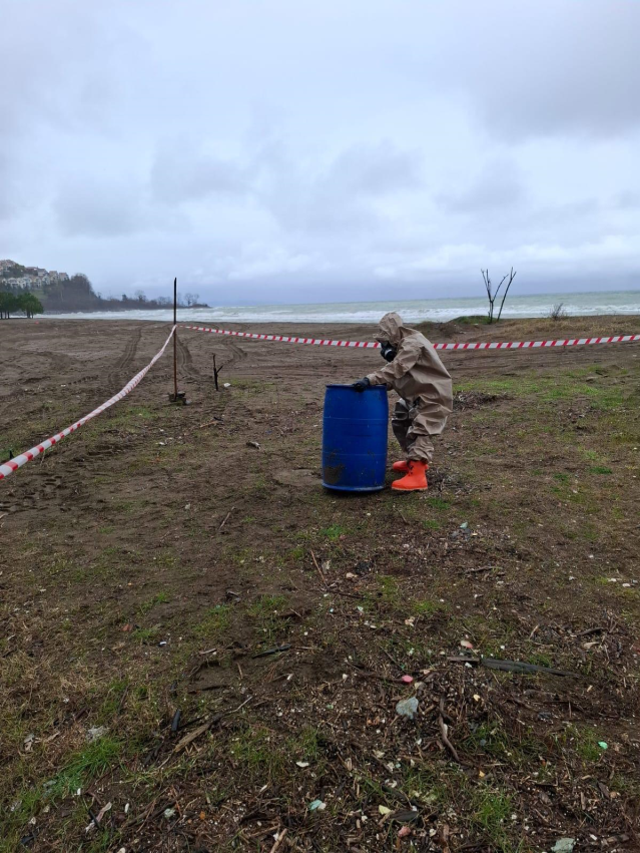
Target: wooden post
column 175, row 339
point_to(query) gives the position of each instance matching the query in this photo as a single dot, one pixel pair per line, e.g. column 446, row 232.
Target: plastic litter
column 564, row 845
column 169, row 813
column 384, row 810
column 407, row 707
column 407, row 679
column 96, row 733
column 317, row 806
column 603, row 745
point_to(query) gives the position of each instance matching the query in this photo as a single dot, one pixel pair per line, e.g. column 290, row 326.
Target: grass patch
column 334, row 532
column 584, row 742
column 160, row 598
column 426, row 607
column 491, row 815
column 266, row 612
column 258, row 756
column 216, row 621
column 438, row 503
column 84, row 766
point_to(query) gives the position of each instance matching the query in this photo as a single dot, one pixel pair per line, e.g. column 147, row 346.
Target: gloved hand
column 361, row 384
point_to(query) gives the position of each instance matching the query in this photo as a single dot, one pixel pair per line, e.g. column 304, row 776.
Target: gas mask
column 387, row 351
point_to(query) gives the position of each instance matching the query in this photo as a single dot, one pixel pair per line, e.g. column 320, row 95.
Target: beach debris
column 96, row 733
column 226, row 518
column 317, row 806
column 95, row 821
column 175, row 722
column 407, row 707
column 564, row 845
column 405, row 815
column 512, row 666
column 284, row 648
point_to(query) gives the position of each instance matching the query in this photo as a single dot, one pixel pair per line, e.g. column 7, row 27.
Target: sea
column 414, row 311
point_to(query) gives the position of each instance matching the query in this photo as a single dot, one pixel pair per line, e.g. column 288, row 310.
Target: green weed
column 216, row 621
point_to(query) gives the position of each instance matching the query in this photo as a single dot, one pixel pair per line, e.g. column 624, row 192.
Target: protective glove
column 361, row 384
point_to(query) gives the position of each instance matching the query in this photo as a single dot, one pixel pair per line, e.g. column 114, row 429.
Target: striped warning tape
column 567, row 342
column 23, row 458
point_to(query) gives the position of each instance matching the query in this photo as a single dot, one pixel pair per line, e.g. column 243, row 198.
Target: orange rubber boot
column 402, row 467
column 415, row 480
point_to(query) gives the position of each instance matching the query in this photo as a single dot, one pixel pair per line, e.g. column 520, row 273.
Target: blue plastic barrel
column 354, row 438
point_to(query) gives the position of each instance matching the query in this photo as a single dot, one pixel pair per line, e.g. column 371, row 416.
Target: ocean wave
column 435, row 310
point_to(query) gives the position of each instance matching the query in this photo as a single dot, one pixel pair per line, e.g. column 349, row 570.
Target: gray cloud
column 323, row 150
column 498, row 185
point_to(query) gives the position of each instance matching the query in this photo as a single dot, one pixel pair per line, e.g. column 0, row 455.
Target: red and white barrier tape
column 568, row 342
column 23, row 458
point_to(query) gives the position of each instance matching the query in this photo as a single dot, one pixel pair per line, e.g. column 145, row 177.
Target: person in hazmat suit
column 417, row 374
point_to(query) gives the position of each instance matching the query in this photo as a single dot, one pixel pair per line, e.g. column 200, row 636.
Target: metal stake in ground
column 177, row 396
column 216, row 372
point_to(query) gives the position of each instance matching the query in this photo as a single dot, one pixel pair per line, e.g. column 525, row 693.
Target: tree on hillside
column 8, row 304
column 30, row 304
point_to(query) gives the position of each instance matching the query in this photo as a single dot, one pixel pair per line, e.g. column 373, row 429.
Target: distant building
column 15, row 276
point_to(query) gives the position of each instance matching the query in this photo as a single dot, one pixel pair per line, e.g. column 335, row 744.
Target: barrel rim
column 370, row 388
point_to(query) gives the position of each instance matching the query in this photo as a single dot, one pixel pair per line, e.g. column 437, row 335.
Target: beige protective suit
column 423, row 383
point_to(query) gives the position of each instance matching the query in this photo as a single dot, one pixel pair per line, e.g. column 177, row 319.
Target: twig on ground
column 279, row 840
column 512, row 666
column 273, row 651
column 196, row 733
column 319, row 570
column 445, row 739
column 225, row 519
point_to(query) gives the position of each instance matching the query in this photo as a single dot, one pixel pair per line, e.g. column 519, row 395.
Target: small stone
column 407, row 707
column 564, row 845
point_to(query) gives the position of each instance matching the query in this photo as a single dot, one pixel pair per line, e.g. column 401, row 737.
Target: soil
column 196, row 633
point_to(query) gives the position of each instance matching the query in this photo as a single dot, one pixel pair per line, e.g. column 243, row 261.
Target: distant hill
column 61, row 293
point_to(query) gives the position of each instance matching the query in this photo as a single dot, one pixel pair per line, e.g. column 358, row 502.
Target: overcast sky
column 320, row 150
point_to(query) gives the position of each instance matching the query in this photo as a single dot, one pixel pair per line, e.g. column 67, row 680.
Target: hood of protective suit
column 391, row 329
